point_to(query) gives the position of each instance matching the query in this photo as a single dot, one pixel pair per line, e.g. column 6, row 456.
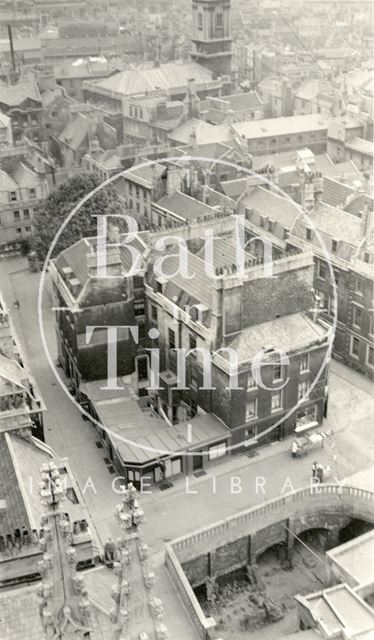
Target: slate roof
column 4, row 120
column 241, row 101
column 272, row 205
column 216, row 198
column 24, row 176
column 6, row 182
column 365, row 147
column 215, row 116
column 186, row 207
column 14, row 95
column 338, row 224
column 287, row 333
column 336, row 194
column 205, row 132
column 29, row 458
column 110, row 159
column 343, row 170
column 75, row 256
column 75, row 132
column 234, row 188
column 144, row 175
column 15, row 515
column 224, row 252
column 211, row 150
column 167, row 76
column 357, row 205
column 280, row 126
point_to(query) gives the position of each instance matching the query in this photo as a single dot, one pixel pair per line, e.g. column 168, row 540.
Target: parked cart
column 303, row 445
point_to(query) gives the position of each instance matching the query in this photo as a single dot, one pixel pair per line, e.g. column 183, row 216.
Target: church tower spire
column 136, row 610
column 64, row 607
column 211, row 40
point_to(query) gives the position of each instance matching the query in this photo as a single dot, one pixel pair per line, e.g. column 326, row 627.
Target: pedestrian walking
column 294, row 449
column 16, row 304
column 314, row 469
column 320, row 473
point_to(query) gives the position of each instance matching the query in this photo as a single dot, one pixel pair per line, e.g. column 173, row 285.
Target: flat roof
column 287, row 333
column 339, row 608
column 280, row 126
column 356, row 557
column 140, row 435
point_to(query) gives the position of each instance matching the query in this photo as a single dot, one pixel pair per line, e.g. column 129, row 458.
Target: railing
column 252, row 514
column 204, row 626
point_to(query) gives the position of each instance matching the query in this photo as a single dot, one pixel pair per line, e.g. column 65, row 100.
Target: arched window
column 219, row 20
column 200, row 20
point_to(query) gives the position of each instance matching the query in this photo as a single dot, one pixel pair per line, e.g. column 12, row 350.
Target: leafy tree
column 55, row 209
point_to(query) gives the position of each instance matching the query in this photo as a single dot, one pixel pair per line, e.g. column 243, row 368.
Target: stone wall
column 237, row 541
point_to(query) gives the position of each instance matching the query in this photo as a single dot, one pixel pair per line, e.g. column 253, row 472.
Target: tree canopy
column 55, row 209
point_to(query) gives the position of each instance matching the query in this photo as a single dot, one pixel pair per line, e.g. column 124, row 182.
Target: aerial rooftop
column 283, row 126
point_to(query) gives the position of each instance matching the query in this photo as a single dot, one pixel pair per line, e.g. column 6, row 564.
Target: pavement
column 236, row 483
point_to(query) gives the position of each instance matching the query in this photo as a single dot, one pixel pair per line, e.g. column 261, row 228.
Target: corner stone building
column 254, row 316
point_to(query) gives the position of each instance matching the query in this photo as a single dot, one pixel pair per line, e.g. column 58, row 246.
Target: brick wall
column 266, row 298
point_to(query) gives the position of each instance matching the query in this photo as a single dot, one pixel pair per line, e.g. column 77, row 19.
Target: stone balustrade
column 331, row 500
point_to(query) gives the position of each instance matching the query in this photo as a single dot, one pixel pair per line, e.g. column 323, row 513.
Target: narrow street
column 228, row 487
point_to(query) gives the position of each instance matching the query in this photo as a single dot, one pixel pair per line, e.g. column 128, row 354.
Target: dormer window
column 334, row 246
column 308, row 233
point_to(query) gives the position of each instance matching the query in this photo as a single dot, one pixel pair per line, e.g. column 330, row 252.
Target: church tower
column 211, row 39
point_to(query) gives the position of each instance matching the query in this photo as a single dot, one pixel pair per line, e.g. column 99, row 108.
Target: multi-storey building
column 283, row 134
column 22, row 103
column 342, row 246
column 234, row 108
column 140, row 186
column 342, row 131
column 253, row 316
column 6, row 133
column 149, row 119
column 87, row 297
column 21, row 191
column 361, row 152
column 21, row 405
